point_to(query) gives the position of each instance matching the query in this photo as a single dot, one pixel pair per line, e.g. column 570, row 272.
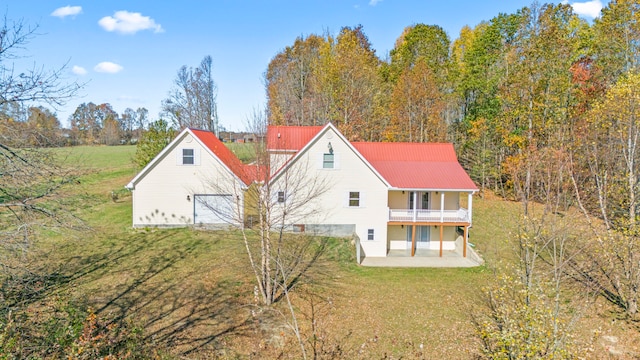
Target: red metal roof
column 290, row 137
column 225, row 155
column 417, row 165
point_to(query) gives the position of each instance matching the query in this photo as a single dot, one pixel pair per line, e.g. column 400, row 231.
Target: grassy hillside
column 192, row 294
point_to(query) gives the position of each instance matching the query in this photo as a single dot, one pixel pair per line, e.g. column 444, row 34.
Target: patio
column 425, row 258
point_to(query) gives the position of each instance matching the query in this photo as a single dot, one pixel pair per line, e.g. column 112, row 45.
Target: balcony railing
column 436, row 216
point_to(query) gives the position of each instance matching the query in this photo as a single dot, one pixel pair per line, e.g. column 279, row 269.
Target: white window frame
column 180, row 156
column 281, row 199
column 371, row 234
column 320, row 161
column 191, row 157
column 332, row 163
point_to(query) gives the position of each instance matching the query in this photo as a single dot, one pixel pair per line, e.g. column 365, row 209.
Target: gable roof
column 290, row 138
column 292, row 131
column 211, row 143
column 430, row 166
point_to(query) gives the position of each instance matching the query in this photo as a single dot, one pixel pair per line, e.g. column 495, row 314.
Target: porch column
column 464, row 241
column 441, row 208
column 469, row 203
column 413, row 240
column 441, row 230
column 415, row 206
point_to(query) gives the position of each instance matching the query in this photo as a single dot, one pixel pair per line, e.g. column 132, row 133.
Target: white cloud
column 67, row 11
column 374, row 2
column 126, row 22
column 588, row 8
column 78, row 70
column 108, row 67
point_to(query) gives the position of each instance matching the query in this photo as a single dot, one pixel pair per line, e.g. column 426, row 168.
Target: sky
column 127, row 53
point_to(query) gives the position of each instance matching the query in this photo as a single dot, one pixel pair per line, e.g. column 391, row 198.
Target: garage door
column 213, row 209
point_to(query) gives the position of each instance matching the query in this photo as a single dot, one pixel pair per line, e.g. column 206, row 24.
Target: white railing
column 421, row 215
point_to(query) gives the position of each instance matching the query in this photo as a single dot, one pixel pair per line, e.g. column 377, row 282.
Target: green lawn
column 192, row 292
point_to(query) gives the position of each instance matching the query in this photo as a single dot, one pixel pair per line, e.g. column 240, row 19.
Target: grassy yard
column 192, row 292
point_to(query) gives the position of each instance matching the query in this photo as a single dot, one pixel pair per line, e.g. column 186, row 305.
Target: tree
column 192, row 101
column 611, row 155
column 44, row 127
column 88, row 120
column 152, row 142
column 291, row 82
column 427, row 42
column 616, row 43
column 36, row 84
column 30, row 178
column 416, row 107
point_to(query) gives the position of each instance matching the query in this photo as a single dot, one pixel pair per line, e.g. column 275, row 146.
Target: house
column 397, row 198
column 195, row 179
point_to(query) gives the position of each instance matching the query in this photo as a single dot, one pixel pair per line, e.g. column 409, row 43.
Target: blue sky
column 128, row 52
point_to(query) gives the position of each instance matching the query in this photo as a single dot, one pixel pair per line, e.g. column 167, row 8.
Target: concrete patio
column 425, row 258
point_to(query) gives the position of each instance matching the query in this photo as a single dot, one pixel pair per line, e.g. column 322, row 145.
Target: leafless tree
column 36, row 84
column 30, row 179
column 192, row 101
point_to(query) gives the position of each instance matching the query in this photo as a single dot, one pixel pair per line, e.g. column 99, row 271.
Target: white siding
column 332, row 205
column 160, row 197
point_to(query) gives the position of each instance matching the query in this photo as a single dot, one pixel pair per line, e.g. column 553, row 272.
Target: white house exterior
column 194, row 180
column 398, row 198
column 354, row 195
column 393, row 196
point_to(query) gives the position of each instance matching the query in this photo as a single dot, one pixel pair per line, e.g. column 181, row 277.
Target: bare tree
column 265, row 212
column 192, row 101
column 609, row 198
column 30, row 180
column 36, row 84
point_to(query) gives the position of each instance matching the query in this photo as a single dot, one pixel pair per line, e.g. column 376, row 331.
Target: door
column 423, row 200
column 213, row 209
column 422, row 237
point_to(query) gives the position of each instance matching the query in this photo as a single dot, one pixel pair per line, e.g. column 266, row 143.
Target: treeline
column 90, row 124
column 518, row 94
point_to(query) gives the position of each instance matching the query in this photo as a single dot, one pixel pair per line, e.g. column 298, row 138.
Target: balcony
column 429, row 216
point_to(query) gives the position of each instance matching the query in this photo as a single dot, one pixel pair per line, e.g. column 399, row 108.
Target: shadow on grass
column 150, row 279
column 189, row 290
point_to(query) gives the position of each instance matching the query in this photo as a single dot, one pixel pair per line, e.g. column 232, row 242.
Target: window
column 327, row 161
column 354, row 198
column 188, row 157
column 280, row 196
column 370, row 234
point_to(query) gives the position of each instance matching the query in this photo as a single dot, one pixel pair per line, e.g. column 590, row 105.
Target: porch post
column 442, row 206
column 441, row 230
column 415, row 205
column 413, row 240
column 464, row 241
column 469, row 203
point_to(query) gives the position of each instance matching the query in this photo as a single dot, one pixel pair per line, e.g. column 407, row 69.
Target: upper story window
column 280, row 196
column 188, row 157
column 370, row 234
column 354, row 198
column 328, row 161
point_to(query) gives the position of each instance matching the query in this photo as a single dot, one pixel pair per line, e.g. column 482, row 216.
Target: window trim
column 370, row 234
column 325, row 162
column 192, row 156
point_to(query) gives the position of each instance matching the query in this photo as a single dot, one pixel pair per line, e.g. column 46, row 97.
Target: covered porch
column 427, row 220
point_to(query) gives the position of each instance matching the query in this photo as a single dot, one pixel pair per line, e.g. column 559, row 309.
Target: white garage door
column 213, row 209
